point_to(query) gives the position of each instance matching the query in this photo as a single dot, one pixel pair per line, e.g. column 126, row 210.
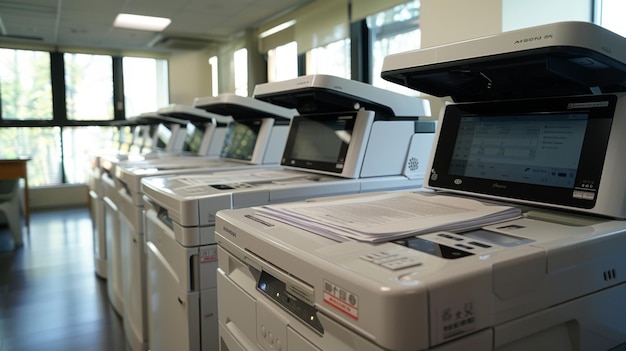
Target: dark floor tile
column 50, row 296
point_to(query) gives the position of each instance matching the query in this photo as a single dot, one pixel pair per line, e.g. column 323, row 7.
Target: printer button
column 588, row 195
column 402, row 263
column 379, row 256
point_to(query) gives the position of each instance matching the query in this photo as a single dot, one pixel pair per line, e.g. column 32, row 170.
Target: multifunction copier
column 349, row 137
column 134, row 137
column 268, row 126
column 171, row 133
column 537, row 132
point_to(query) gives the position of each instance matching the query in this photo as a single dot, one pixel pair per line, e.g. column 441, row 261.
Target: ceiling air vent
column 181, row 43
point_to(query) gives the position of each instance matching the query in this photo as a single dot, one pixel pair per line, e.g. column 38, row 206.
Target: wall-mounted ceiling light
column 155, row 24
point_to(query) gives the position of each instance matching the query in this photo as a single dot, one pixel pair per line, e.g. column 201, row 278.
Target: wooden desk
column 16, row 168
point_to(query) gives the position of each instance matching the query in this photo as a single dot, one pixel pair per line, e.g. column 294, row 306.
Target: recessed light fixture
column 155, row 24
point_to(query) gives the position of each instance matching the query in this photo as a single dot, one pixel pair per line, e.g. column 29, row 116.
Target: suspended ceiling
column 89, row 23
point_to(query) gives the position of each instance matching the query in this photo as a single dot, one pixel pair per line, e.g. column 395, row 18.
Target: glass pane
column 43, row 145
column 214, row 76
column 79, row 145
column 395, row 30
column 282, row 62
column 89, row 87
column 241, row 72
column 612, row 16
column 145, row 85
column 333, row 59
column 25, row 85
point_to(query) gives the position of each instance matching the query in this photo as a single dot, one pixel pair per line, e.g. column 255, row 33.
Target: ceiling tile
column 89, row 22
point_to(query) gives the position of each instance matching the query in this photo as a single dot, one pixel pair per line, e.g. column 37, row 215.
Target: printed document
column 385, row 216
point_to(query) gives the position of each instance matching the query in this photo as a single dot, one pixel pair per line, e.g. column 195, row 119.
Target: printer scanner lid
column 193, row 114
column 564, row 58
column 319, row 93
column 243, row 108
column 149, row 118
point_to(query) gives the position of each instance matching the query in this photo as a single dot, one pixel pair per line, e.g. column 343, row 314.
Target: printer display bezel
column 583, row 194
column 230, row 150
column 298, row 135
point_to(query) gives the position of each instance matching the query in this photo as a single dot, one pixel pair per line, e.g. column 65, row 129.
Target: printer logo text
column 230, row 232
column 531, row 39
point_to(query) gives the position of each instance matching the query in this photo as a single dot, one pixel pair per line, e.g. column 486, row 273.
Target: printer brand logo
column 535, row 38
column 230, row 232
column 498, row 186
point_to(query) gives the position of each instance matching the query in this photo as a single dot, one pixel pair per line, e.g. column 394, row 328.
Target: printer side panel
column 387, row 148
column 276, row 144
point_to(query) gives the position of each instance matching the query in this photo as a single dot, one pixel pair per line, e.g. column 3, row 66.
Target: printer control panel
column 394, row 259
column 409, row 251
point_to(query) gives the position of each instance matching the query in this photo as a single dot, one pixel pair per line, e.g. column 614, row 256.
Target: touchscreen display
column 115, row 138
column 549, row 150
column 127, row 138
column 240, row 140
column 530, row 148
column 319, row 141
column 146, row 138
column 164, row 135
column 195, row 135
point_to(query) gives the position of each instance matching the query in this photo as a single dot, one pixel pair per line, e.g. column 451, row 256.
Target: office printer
column 272, row 122
column 257, row 130
column 102, row 167
column 334, row 150
column 551, row 278
column 347, row 145
column 170, row 139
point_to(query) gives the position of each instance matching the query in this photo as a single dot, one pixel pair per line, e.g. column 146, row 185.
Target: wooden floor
column 50, row 297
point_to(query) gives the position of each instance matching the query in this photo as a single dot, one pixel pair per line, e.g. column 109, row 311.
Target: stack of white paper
column 385, row 216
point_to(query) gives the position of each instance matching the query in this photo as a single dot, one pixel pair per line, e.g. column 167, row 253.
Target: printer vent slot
column 609, row 275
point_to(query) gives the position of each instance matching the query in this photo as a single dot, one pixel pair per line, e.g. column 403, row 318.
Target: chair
column 10, row 206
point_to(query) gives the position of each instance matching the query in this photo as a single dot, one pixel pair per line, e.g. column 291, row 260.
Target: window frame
column 59, row 123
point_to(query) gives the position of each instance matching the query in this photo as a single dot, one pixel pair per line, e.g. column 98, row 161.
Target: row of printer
column 196, row 258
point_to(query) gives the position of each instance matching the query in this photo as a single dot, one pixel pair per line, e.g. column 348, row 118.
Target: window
column 88, row 87
column 282, row 62
column 60, row 147
column 393, row 31
column 146, row 87
column 333, row 59
column 42, row 144
column 241, row 72
column 214, row 76
column 611, row 15
column 79, row 144
column 25, row 85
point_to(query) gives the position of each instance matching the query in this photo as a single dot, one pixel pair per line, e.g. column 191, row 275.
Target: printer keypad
column 403, row 262
column 393, row 259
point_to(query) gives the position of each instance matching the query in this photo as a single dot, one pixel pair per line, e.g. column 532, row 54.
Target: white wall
column 518, row 14
column 68, row 195
column 447, row 21
column 190, row 76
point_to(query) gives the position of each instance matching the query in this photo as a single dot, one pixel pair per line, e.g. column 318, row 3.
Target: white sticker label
column 208, row 255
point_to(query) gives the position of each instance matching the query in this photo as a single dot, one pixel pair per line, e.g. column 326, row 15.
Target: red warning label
column 341, row 299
